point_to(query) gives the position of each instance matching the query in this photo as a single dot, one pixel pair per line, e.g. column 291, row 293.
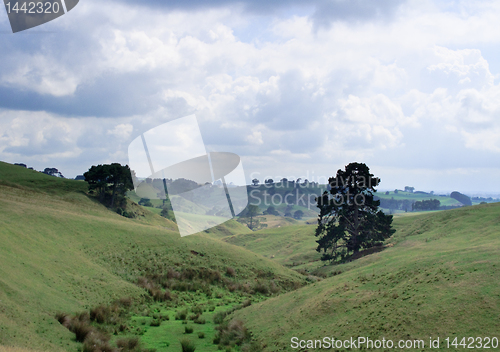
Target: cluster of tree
column 271, row 211
column 350, row 218
column 429, row 204
column 110, row 182
column 462, row 198
column 409, row 189
column 52, row 171
column 395, row 204
column 298, row 214
column 484, row 199
column 285, row 183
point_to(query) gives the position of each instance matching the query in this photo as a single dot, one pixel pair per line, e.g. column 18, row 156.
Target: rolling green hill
column 293, row 246
column 61, row 251
column 439, row 278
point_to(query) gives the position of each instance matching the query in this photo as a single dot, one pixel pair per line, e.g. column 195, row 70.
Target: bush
column 155, row 322
column 251, row 347
column 181, row 315
column 230, row 272
column 188, row 330
column 219, row 317
column 100, row 314
column 197, row 309
column 261, row 287
column 81, row 330
column 199, row 320
column 96, row 342
column 232, row 333
column 128, row 344
column 187, row 346
column 125, row 301
column 201, row 335
column 246, row 303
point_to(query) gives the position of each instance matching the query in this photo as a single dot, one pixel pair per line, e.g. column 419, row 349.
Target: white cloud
column 363, row 88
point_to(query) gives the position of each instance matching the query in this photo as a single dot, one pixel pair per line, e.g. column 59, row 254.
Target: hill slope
column 62, row 251
column 440, row 279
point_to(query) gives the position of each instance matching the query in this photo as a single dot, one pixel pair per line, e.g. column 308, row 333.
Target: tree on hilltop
column 350, row 219
column 109, row 180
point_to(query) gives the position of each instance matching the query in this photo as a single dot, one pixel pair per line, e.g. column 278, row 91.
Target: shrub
column 100, row 314
column 251, row 347
column 155, row 322
column 261, row 287
column 97, row 342
column 188, row 330
column 181, row 315
column 128, row 344
column 197, row 309
column 201, row 335
column 230, row 272
column 232, row 333
column 81, row 330
column 187, row 345
column 219, row 317
column 246, row 303
column 199, row 320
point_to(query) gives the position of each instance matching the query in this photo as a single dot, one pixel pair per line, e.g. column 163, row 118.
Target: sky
column 295, row 88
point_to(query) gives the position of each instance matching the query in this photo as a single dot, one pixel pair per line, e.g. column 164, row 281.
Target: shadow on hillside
column 366, row 252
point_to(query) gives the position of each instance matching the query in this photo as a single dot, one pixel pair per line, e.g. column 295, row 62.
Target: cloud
column 389, row 83
column 329, row 11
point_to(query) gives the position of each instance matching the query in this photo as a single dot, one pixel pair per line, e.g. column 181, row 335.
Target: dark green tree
column 462, row 198
column 271, row 211
column 247, row 216
column 298, row 214
column 350, row 219
column 146, row 202
column 112, row 180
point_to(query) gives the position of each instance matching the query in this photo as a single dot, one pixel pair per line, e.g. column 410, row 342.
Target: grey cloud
column 325, row 11
column 329, row 11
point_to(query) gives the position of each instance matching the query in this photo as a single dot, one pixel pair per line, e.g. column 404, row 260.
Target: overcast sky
column 296, row 88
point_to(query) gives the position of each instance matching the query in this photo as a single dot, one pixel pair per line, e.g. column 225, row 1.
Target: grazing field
column 293, row 246
column 439, row 278
column 63, row 252
column 69, row 263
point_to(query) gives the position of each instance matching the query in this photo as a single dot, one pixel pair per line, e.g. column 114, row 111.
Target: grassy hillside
column 293, row 246
column 439, row 279
column 63, row 252
column 401, row 195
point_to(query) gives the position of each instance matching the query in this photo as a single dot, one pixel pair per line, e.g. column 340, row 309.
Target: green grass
column 61, row 251
column 445, row 201
column 291, row 246
column 439, row 278
column 20, row 177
